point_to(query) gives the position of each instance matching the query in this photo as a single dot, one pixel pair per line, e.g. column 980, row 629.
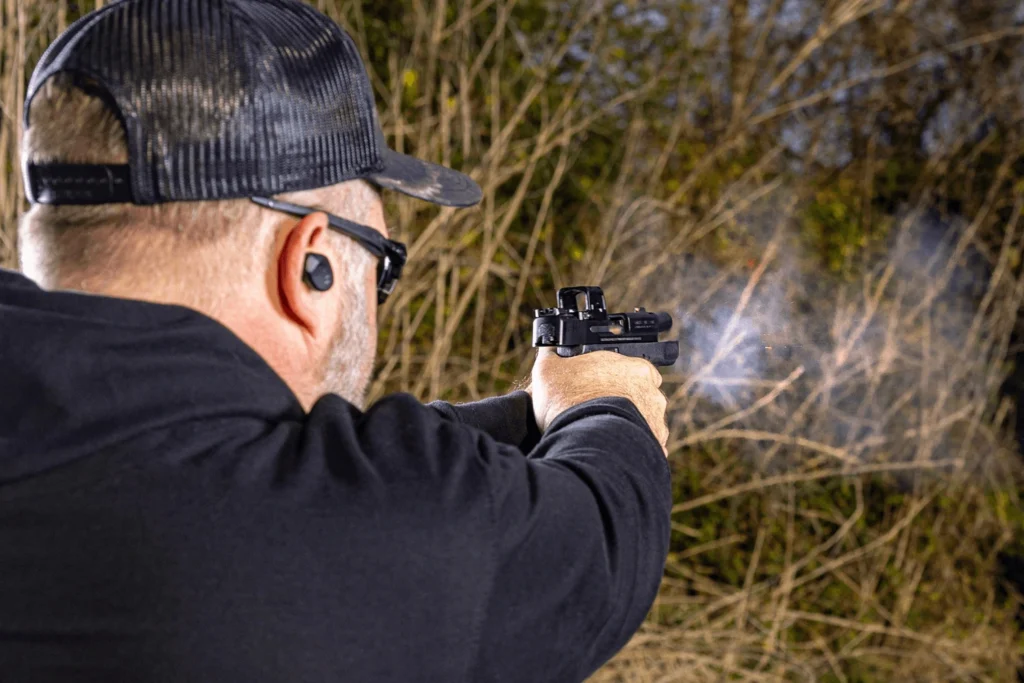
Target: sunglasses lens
column 389, row 270
column 386, row 280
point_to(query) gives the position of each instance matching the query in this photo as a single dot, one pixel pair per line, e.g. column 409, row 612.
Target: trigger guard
column 568, row 351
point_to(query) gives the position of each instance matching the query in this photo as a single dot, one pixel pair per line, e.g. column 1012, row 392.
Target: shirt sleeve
column 583, row 530
column 576, row 531
column 506, row 419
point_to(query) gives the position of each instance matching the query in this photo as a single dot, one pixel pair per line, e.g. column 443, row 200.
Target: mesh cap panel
column 233, row 98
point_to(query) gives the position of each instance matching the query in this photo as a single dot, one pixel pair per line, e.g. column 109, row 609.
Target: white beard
column 349, row 364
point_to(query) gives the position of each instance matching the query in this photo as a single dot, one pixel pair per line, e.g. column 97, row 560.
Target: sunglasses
column 390, row 255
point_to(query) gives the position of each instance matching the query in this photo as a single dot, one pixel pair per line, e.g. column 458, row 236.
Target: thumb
column 545, row 355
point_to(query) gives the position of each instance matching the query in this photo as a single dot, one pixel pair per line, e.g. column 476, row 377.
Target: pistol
column 573, row 330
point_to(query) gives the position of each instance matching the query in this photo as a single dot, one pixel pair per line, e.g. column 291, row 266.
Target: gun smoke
column 900, row 358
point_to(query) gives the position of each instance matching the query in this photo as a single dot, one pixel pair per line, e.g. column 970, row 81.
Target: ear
column 312, row 311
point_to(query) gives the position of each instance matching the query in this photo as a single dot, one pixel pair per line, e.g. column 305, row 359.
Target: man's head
column 231, row 259
column 141, row 164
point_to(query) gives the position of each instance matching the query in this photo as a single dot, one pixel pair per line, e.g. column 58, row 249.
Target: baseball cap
column 224, row 99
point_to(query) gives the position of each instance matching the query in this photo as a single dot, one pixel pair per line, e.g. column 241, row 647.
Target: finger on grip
column 656, row 375
column 647, row 370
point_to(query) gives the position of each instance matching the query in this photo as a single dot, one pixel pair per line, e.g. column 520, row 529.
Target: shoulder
column 397, row 438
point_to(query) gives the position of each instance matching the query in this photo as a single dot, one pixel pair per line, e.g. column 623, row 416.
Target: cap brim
column 426, row 181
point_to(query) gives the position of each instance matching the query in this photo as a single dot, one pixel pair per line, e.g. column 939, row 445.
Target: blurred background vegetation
column 827, row 195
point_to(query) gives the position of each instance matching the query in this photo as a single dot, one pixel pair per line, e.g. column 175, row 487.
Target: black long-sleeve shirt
column 168, row 512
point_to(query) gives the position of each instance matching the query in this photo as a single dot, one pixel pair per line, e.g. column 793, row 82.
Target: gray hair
column 184, row 243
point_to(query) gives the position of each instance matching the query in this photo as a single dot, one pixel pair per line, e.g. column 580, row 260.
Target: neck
column 247, row 312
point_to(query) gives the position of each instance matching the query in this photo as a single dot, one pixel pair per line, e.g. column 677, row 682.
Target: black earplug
column 318, row 273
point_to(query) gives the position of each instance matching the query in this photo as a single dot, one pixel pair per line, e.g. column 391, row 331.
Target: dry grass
column 840, row 513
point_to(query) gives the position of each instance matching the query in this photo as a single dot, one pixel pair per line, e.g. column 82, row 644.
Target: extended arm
column 560, row 552
column 506, row 419
column 583, row 529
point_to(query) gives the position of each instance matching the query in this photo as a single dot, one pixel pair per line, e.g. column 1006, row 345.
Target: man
column 191, row 488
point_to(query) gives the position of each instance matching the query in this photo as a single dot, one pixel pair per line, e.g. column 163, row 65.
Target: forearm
column 582, row 530
column 507, row 419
